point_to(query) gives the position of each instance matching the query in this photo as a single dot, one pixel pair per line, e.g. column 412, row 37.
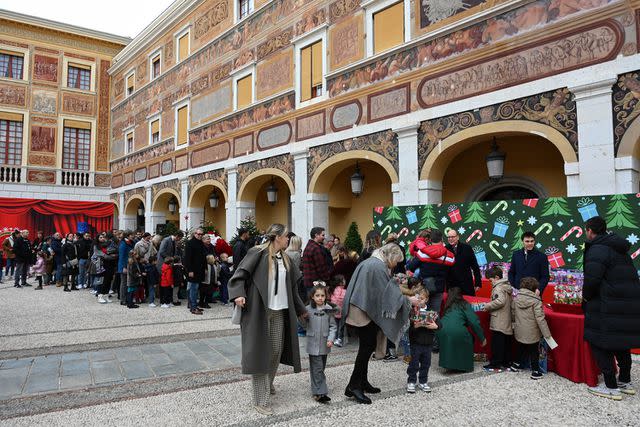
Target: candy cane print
column 544, row 226
column 385, row 230
column 447, row 230
column 493, row 245
column 403, row 232
column 635, row 254
column 501, row 204
column 474, row 234
column 568, row 233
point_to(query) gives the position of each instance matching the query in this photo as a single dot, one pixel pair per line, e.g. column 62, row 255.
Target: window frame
column 26, row 63
column 79, row 78
column 374, row 6
column 130, row 73
column 300, row 43
column 237, row 10
column 77, row 141
column 153, row 119
column 176, row 40
column 176, row 108
column 239, row 74
column 156, row 54
column 67, row 62
column 127, row 132
column 19, row 151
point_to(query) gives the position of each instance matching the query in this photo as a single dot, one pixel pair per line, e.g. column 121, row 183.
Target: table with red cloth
column 572, row 358
column 547, row 296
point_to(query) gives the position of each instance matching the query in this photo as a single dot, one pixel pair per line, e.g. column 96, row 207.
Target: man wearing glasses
column 195, row 263
column 465, row 273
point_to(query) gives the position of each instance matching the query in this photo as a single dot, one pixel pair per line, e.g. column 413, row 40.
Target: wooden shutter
column 81, row 66
column 77, row 124
column 305, row 73
column 130, row 80
column 183, row 47
column 182, row 125
column 155, row 127
column 244, row 88
column 388, row 28
column 316, row 64
column 13, row 117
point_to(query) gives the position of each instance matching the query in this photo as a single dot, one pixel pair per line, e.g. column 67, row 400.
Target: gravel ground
column 503, row 399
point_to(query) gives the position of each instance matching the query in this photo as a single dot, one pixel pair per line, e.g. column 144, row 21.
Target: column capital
column 407, row 130
column 184, row 181
column 300, row 154
column 231, row 169
column 594, row 89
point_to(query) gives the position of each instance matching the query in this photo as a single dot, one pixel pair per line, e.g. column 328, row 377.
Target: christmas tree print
column 475, row 213
column 555, row 206
column 393, row 214
column 517, row 236
column 428, row 219
column 619, row 212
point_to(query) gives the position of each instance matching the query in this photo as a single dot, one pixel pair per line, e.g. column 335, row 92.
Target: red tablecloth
column 572, row 358
column 485, row 291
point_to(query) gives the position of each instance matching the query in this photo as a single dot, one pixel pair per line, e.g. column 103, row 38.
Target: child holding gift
column 321, row 331
column 421, row 335
column 529, row 325
column 501, row 328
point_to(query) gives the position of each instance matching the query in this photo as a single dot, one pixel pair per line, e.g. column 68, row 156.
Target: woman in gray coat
column 264, row 285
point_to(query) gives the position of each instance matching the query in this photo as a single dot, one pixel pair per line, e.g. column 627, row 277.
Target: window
column 10, row 139
column 244, row 91
column 11, row 65
column 76, row 145
column 311, row 71
column 183, row 115
column 155, row 131
column 129, row 139
column 155, row 67
column 245, row 7
column 388, row 28
column 183, row 46
column 79, row 76
column 131, row 83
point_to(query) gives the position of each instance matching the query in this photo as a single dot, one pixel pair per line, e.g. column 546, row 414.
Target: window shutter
column 316, row 64
column 77, row 124
column 305, row 73
column 388, row 28
column 130, row 81
column 245, row 88
column 155, row 127
column 182, row 125
column 183, row 47
column 13, row 117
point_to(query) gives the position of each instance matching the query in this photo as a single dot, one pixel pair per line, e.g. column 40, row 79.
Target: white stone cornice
column 572, row 168
column 627, row 162
column 595, row 89
column 408, row 130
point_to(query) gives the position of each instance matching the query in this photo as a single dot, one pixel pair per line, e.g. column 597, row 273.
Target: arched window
column 509, row 188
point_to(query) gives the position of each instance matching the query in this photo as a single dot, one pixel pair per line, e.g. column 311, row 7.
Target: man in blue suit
column 529, row 262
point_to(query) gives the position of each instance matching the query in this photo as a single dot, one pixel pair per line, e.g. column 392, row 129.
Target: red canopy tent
column 54, row 215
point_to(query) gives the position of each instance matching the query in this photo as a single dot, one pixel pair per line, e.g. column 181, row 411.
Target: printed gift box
column 500, row 226
column 454, row 214
column 587, row 208
column 555, row 257
column 480, row 254
column 411, row 215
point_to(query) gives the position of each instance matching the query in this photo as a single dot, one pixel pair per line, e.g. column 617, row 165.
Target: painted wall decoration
column 567, row 51
column 243, row 145
column 128, row 178
column 433, row 11
column 274, row 74
column 274, row 136
column 310, row 125
column 182, row 163
column 152, row 152
column 41, row 177
column 12, row 95
column 166, row 167
column 283, row 162
column 102, row 132
column 384, row 143
column 389, row 103
column 524, row 19
column 172, row 184
column 140, row 174
column 341, row 8
column 43, row 139
column 216, row 14
column 45, row 68
column 346, row 41
column 216, row 175
column 494, row 229
column 211, row 105
column 116, row 181
column 44, row 101
column 212, row 154
column 40, row 159
column 276, row 42
column 154, row 170
column 556, row 109
column 102, row 180
column 346, row 115
column 626, row 105
column 83, row 105
column 309, row 21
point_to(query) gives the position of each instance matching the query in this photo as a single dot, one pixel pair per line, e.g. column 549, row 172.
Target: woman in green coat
column 456, row 343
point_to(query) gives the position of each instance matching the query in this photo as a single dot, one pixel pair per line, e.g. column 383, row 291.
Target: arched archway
column 160, row 212
column 252, row 197
column 132, row 219
column 200, row 210
column 116, row 215
column 331, row 186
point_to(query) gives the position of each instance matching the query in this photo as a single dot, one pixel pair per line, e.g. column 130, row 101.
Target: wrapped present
column 532, row 203
column 411, row 215
column 555, row 257
column 454, row 214
column 421, row 316
column 587, row 208
column 500, row 226
column 480, row 254
column 379, row 209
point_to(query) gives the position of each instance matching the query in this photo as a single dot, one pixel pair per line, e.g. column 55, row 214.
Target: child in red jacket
column 166, row 283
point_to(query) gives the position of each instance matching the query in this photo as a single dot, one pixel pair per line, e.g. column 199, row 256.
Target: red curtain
column 54, row 215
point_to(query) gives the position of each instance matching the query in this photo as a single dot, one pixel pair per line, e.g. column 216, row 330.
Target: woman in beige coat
column 529, row 325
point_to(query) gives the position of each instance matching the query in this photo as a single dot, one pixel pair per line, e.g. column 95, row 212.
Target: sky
column 107, row 16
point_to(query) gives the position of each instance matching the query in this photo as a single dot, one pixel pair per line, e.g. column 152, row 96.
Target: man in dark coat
column 529, row 262
column 58, row 257
column 465, row 273
column 611, row 301
column 168, row 248
column 241, row 247
column 24, row 258
column 195, row 264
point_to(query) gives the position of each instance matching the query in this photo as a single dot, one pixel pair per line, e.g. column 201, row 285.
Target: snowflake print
column 444, row 220
column 504, row 245
column 512, row 212
column 571, row 248
column 462, row 230
column 402, row 244
column 380, row 223
column 538, row 245
column 632, row 238
column 559, row 223
column 532, row 220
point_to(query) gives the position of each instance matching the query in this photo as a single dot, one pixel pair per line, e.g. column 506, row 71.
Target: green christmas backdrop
column 494, row 229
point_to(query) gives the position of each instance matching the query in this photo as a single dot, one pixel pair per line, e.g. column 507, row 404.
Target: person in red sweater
column 166, row 283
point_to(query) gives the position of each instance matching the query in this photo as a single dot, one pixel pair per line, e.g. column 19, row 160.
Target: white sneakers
column 111, row 292
column 424, row 387
column 626, row 388
column 152, row 304
column 601, row 390
column 101, row 299
column 165, row 306
column 411, row 387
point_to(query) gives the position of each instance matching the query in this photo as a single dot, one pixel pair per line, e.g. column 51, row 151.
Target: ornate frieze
column 282, row 162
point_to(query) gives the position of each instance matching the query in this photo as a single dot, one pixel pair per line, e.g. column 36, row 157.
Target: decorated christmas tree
column 428, row 219
column 250, row 225
column 555, row 206
column 517, row 237
column 353, row 241
column 475, row 213
column 619, row 212
column 393, row 214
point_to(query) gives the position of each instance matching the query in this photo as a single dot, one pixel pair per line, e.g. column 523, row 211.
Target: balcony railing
column 75, row 178
column 11, row 174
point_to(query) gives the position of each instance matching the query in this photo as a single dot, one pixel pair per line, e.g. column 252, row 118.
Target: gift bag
column 543, row 351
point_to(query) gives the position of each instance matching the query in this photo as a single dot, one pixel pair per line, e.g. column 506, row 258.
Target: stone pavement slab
column 136, row 369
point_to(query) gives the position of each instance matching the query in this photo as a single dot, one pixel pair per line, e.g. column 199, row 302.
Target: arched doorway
column 201, row 211
column 333, row 180
column 165, row 209
column 509, row 192
column 133, row 218
column 116, row 216
column 253, row 199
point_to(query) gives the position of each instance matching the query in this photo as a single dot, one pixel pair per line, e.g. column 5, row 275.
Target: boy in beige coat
column 529, row 325
column 501, row 329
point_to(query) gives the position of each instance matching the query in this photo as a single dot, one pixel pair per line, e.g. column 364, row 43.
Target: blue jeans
column 420, row 363
column 152, row 293
column 224, row 293
column 193, row 295
column 82, row 272
column 58, row 272
column 11, row 266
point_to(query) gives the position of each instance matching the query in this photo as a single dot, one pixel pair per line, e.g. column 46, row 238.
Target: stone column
column 627, row 174
column 407, row 192
column 232, row 195
column 299, row 199
column 149, row 226
column 317, row 212
column 244, row 210
column 121, row 217
column 430, row 192
column 185, row 220
column 595, row 138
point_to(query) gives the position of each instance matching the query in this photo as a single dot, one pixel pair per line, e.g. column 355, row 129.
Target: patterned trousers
column 262, row 383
